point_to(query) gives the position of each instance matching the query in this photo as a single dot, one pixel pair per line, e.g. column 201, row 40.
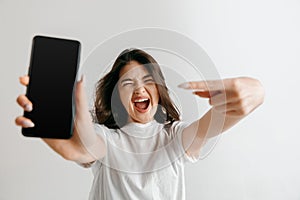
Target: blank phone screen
column 52, row 71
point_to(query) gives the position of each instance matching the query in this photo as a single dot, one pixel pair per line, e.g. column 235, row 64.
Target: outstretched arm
column 231, row 100
column 85, row 145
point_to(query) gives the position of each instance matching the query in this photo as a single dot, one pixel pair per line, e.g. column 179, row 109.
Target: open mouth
column 141, row 104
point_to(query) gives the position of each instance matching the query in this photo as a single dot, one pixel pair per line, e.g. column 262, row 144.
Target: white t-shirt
column 143, row 161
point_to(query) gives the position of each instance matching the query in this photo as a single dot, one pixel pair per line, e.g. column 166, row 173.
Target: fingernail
column 28, row 107
column 81, row 78
column 200, row 90
column 184, row 85
column 28, row 124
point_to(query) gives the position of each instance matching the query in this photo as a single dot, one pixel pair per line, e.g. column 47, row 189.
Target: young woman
column 137, row 144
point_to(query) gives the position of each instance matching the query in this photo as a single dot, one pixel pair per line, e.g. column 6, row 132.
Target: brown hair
column 106, row 95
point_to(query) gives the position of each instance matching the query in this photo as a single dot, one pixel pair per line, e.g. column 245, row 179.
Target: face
column 138, row 92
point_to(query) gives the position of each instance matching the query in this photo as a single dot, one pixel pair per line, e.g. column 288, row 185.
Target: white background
column 257, row 159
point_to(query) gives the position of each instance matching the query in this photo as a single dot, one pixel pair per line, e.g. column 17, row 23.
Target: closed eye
column 149, row 80
column 127, row 83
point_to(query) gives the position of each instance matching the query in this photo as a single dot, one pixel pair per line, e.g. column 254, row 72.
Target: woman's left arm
column 231, row 100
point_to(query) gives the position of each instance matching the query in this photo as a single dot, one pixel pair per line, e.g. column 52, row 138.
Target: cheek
column 125, row 97
column 156, row 99
column 154, row 94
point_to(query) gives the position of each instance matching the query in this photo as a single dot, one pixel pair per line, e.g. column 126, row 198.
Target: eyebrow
column 147, row 76
column 129, row 79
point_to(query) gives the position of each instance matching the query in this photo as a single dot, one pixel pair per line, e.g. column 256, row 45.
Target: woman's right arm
column 85, row 145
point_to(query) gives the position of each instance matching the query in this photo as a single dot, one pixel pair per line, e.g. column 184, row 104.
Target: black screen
column 52, row 73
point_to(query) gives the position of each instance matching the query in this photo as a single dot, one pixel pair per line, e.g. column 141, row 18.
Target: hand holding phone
column 52, row 75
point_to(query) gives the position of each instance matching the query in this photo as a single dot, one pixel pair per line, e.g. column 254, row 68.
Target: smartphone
column 52, row 76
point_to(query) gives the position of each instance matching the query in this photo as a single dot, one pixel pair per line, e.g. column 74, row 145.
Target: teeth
column 140, row 100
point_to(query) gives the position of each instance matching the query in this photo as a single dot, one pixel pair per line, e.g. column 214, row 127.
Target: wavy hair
column 106, row 95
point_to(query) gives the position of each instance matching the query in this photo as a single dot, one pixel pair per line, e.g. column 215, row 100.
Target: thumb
column 80, row 96
column 204, row 94
column 207, row 94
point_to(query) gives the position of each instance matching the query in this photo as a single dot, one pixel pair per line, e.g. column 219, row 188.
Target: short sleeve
column 101, row 131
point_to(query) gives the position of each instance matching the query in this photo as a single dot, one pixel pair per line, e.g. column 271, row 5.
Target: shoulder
column 176, row 127
column 104, row 131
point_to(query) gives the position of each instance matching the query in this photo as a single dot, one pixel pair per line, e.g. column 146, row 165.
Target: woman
column 137, row 144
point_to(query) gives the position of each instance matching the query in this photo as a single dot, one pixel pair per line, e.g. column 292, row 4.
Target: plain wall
column 257, row 159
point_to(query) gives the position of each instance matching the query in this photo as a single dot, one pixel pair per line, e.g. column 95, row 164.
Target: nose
column 139, row 90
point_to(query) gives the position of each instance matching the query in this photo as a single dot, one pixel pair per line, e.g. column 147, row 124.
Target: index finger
column 209, row 85
column 24, row 80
